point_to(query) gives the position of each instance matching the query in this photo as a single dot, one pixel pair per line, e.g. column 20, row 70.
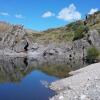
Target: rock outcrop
column 75, row 49
column 15, row 40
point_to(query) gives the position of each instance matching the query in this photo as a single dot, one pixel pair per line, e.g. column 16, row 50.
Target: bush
column 92, row 54
column 80, row 32
column 74, row 25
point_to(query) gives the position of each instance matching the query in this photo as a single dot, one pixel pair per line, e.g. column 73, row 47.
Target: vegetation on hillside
column 71, row 32
column 79, row 29
column 92, row 54
column 4, row 26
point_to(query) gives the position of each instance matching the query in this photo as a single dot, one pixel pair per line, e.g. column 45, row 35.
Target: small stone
column 83, row 97
column 61, row 97
column 75, row 97
column 65, row 92
column 89, row 78
column 96, row 78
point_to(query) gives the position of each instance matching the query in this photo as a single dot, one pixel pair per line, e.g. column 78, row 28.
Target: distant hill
column 61, row 34
column 67, row 33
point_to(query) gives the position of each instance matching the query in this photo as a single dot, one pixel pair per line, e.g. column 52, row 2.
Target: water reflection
column 14, row 69
column 27, row 79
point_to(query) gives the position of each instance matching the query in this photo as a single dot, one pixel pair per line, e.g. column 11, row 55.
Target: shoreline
column 80, row 86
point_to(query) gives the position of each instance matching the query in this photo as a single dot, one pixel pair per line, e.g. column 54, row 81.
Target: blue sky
column 44, row 14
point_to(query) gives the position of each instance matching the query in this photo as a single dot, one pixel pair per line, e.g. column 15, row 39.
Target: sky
column 43, row 14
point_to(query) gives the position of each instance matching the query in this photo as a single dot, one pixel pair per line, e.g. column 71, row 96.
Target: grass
column 60, row 71
column 4, row 27
column 70, row 32
column 96, row 26
column 53, row 36
column 73, row 31
column 92, row 54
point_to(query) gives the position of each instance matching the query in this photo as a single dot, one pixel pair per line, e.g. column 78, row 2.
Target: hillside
column 67, row 33
column 77, row 40
column 61, row 34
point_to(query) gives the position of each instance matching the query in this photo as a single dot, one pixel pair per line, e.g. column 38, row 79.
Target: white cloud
column 4, row 14
column 69, row 13
column 48, row 14
column 93, row 10
column 19, row 16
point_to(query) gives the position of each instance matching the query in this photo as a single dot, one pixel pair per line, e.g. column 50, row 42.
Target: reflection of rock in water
column 14, row 69
column 25, row 61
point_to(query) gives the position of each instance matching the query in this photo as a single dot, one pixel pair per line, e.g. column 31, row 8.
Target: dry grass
column 53, row 35
column 4, row 26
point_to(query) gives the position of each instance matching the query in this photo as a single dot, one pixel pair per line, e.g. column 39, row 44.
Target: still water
column 23, row 79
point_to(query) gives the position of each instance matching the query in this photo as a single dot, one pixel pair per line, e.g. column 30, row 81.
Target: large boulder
column 20, row 47
column 15, row 39
column 94, row 37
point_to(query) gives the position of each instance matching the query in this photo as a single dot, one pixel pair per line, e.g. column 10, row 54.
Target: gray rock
column 94, row 37
column 20, row 47
column 15, row 39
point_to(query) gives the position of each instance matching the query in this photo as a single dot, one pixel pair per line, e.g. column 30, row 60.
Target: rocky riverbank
column 84, row 84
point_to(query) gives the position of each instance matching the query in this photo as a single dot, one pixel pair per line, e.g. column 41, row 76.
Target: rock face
column 94, row 18
column 20, row 47
column 15, row 40
column 94, row 37
column 76, row 49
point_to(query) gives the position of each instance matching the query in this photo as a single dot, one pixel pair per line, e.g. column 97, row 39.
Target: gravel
column 84, row 84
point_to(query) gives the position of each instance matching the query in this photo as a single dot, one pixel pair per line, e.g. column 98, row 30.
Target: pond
column 23, row 79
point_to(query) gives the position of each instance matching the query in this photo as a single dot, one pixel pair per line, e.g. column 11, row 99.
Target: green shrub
column 80, row 31
column 67, row 36
column 92, row 54
column 74, row 25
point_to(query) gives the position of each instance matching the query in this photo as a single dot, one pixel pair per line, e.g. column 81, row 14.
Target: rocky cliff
column 69, row 42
